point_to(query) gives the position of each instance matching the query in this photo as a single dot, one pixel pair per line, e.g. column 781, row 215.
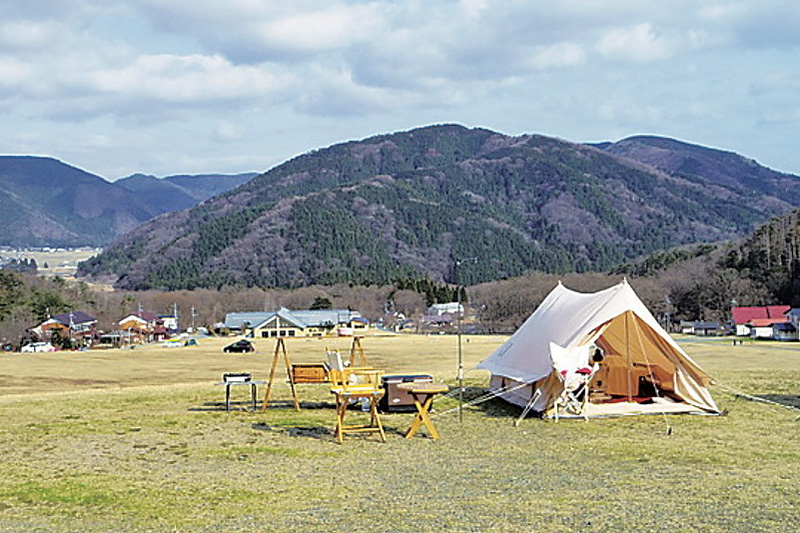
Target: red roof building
column 744, row 315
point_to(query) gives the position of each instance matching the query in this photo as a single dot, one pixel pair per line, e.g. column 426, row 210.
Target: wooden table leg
column 422, row 417
column 423, row 414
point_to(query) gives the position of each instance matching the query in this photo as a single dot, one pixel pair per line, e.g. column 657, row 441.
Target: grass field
column 138, row 440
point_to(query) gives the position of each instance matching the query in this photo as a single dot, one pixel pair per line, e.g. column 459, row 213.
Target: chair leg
column 376, row 418
column 341, row 409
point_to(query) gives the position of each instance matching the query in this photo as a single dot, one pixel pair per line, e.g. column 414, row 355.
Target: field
column 139, row 440
column 58, row 262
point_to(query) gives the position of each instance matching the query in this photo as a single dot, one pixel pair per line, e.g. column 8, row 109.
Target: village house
column 143, row 326
column 743, row 316
column 75, row 325
column 702, row 328
column 779, row 329
column 450, row 308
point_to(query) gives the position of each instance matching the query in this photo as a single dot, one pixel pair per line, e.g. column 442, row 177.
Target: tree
column 320, row 302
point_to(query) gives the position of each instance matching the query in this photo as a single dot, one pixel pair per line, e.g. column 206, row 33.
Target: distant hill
column 173, row 193
column 45, row 202
column 720, row 167
column 410, row 204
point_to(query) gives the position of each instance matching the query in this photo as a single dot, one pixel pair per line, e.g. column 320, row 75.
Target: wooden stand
column 280, row 346
column 357, row 350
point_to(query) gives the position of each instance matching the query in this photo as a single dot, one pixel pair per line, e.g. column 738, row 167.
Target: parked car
column 35, row 347
column 240, row 346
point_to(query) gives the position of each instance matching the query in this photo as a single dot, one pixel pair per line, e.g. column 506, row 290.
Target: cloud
column 335, row 27
column 152, row 67
column 187, row 79
column 637, row 43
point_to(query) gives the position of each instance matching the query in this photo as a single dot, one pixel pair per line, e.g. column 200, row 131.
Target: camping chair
column 575, row 396
column 354, row 384
column 572, row 368
column 335, row 361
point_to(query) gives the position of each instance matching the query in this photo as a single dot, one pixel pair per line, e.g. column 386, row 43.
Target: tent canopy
column 617, row 321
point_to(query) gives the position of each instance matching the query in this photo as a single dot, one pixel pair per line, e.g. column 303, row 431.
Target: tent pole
column 628, row 354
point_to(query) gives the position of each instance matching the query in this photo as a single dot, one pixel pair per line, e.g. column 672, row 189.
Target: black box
column 399, row 401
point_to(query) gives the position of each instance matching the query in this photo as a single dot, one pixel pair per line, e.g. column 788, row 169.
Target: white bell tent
column 643, row 370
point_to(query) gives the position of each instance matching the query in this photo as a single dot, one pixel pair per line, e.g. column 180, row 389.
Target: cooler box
column 399, row 401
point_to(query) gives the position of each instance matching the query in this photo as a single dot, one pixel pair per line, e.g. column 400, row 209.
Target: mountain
column 723, row 168
column 409, row 204
column 770, row 258
column 173, row 193
column 45, row 202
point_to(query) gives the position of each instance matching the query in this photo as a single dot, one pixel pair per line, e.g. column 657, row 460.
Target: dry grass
column 138, row 440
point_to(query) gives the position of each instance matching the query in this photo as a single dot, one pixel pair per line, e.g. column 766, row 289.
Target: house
column 437, row 321
column 451, row 308
column 784, row 331
column 170, row 322
column 75, row 325
column 143, row 326
column 772, row 328
column 742, row 316
column 701, row 328
column 287, row 323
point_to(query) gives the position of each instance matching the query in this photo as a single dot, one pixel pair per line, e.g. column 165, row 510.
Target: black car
column 241, row 346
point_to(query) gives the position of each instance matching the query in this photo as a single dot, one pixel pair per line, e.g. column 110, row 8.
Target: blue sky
column 190, row 86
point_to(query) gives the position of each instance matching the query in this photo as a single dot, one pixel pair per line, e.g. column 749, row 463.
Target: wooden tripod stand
column 280, row 346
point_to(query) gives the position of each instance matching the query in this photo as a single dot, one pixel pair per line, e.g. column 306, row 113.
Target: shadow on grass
column 492, row 406
column 314, row 432
column 247, row 405
column 789, row 400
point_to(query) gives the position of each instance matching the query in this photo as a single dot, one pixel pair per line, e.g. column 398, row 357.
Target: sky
column 164, row 87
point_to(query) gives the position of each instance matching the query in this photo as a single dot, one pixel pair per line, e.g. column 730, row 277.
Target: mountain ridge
column 46, row 202
column 412, row 203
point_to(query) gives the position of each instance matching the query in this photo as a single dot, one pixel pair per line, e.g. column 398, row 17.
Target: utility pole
column 458, row 263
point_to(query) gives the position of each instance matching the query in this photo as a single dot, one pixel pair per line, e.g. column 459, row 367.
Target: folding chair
column 335, row 361
column 353, row 384
column 575, row 396
column 572, row 369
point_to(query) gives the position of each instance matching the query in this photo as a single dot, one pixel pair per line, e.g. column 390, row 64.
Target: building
column 302, row 323
column 451, row 308
column 778, row 329
column 143, row 326
column 742, row 316
column 75, row 325
column 701, row 328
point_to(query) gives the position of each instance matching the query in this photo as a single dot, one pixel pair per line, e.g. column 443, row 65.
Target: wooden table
column 423, row 394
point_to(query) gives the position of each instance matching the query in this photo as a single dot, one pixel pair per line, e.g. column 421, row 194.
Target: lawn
column 138, row 440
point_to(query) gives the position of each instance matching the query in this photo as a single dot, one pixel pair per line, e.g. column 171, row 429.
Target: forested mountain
column 410, row 204
column 173, row 193
column 708, row 165
column 770, row 257
column 45, row 202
